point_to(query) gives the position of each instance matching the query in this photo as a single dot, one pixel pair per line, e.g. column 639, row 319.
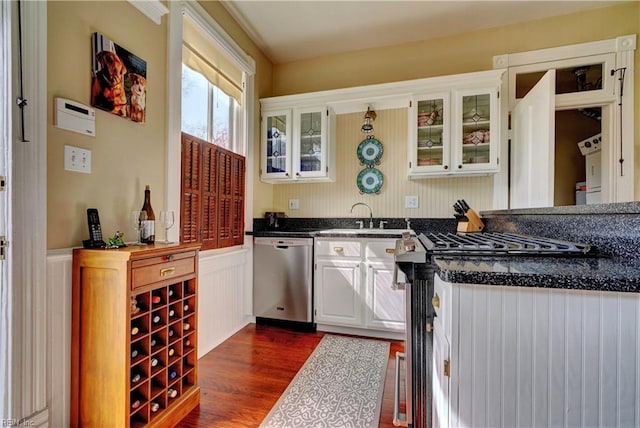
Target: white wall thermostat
column 590, row 145
column 75, row 117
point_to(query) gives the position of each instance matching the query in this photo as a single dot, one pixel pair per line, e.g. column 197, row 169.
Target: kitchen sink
column 355, row 232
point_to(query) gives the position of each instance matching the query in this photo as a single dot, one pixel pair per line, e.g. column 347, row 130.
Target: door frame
column 619, row 187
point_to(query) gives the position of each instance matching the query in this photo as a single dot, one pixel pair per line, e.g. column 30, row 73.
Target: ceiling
column 299, row 29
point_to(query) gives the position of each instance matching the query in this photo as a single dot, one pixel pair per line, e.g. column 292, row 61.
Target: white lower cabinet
column 353, row 284
column 525, row 356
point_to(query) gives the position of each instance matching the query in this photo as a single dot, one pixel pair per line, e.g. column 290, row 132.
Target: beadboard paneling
column 545, row 357
column 437, row 195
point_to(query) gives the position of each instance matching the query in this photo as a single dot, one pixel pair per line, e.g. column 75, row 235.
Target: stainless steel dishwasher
column 282, row 279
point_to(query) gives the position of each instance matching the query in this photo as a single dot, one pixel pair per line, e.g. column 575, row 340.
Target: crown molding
column 153, row 9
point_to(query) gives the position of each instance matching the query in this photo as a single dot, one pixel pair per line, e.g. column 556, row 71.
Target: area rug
column 340, row 385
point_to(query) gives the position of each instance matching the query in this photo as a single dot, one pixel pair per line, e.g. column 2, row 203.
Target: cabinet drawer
column 383, row 249
column 145, row 272
column 338, row 248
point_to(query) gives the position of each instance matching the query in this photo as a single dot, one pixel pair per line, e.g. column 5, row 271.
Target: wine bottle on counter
column 148, row 232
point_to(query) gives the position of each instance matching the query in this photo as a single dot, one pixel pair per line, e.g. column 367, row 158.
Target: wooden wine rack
column 134, row 365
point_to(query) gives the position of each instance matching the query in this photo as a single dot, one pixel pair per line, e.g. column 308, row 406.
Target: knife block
column 473, row 223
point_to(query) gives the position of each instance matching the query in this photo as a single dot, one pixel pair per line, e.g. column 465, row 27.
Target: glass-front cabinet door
column 276, row 148
column 429, row 125
column 476, row 132
column 310, row 133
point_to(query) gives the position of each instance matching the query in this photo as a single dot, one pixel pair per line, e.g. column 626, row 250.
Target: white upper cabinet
column 296, row 144
column 455, row 131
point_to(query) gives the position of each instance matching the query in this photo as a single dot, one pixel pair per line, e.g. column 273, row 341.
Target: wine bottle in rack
column 171, row 292
column 172, row 393
column 154, row 341
column 156, row 299
column 172, row 313
column 171, row 352
column 186, row 307
column 186, row 326
column 134, row 330
column 187, row 342
column 148, row 232
column 134, row 353
column 154, row 362
column 173, row 374
column 156, row 319
column 154, row 406
column 136, row 378
column 171, row 332
column 135, row 404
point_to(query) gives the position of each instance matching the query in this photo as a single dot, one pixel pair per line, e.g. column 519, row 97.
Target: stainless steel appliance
column 414, row 257
column 282, row 279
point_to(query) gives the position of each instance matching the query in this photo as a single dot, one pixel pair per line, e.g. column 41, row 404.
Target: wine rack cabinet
column 134, row 336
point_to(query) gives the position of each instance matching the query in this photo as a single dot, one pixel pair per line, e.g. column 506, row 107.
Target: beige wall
column 125, row 155
column 457, row 54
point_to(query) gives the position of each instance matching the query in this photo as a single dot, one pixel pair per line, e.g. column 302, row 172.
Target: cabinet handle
column 338, row 249
column 167, row 271
column 390, row 250
column 435, row 301
column 447, row 368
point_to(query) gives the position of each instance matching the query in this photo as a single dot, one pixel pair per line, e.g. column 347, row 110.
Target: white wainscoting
column 544, row 357
column 224, row 289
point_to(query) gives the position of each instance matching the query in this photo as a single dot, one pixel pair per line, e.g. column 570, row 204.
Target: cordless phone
column 95, row 230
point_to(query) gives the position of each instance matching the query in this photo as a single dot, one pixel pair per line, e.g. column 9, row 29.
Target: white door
column 5, row 152
column 441, row 378
column 533, row 145
column 385, row 305
column 338, row 299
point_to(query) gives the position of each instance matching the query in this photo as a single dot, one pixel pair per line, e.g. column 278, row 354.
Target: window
column 212, row 167
column 207, row 111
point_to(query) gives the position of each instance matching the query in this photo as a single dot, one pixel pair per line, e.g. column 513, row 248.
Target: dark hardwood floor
column 242, row 378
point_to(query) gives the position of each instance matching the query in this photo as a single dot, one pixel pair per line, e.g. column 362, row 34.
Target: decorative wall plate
column 369, row 180
column 369, row 151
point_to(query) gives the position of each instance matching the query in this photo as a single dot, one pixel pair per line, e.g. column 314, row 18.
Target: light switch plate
column 77, row 159
column 294, row 204
column 411, row 202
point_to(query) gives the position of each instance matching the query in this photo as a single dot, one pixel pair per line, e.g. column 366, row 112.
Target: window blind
column 202, row 55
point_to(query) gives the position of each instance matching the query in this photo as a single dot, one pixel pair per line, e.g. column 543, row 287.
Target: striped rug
column 339, row 386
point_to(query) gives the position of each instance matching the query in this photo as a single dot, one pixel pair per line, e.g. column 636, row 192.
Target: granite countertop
column 581, row 273
column 330, row 233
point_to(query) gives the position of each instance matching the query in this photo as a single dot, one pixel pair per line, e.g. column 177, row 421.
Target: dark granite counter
column 585, row 273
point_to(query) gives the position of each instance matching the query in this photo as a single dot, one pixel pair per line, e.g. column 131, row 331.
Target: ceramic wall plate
column 369, row 180
column 369, row 151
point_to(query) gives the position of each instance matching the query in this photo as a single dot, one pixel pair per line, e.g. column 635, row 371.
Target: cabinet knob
column 297, row 174
column 446, row 166
column 459, row 166
column 435, row 301
column 286, row 174
column 338, row 249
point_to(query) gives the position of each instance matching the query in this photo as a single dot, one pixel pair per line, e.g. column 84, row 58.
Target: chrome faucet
column 370, row 212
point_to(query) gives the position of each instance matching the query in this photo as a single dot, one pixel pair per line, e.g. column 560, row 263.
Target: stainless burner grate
column 499, row 243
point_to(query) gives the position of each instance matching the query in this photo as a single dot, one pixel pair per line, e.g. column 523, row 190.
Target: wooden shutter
column 209, row 194
column 190, row 189
column 238, row 187
column 225, row 197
